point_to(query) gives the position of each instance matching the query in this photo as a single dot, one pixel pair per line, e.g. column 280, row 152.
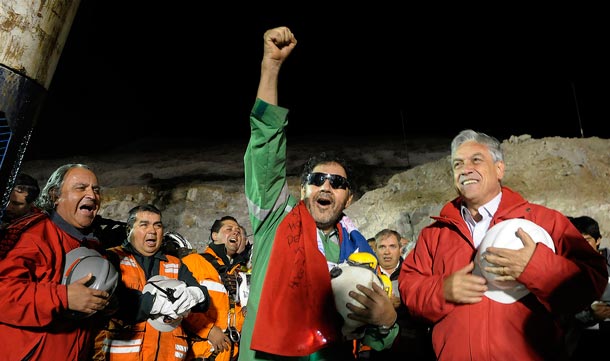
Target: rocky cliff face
column 402, row 183
column 570, row 175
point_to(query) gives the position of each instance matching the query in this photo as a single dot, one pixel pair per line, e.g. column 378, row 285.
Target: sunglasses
column 336, row 181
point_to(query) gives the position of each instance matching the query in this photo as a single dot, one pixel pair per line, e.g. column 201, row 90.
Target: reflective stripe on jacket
column 219, row 314
column 142, row 341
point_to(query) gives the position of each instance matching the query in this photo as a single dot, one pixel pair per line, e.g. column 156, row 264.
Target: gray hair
column 52, row 190
column 492, row 144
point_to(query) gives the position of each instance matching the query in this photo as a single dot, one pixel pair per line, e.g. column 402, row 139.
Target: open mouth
column 87, row 208
column 324, row 201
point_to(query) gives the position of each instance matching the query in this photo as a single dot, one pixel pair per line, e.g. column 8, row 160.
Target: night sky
column 134, row 70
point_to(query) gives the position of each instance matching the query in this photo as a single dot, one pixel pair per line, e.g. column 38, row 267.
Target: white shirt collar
column 487, row 211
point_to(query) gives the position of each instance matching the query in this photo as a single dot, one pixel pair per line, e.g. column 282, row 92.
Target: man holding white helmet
column 291, row 314
column 37, row 320
column 437, row 280
column 156, row 292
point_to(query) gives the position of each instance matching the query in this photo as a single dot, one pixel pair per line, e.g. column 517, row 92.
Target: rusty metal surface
column 33, row 34
column 32, row 37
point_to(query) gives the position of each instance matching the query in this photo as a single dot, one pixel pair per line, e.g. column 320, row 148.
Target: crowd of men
column 79, row 288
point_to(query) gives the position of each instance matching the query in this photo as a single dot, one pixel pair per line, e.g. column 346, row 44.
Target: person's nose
column 89, row 192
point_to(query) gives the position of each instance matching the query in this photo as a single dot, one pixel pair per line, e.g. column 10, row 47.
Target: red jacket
column 528, row 329
column 33, row 300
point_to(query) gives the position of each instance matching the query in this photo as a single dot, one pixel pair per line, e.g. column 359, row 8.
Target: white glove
column 190, row 297
column 163, row 306
column 158, row 286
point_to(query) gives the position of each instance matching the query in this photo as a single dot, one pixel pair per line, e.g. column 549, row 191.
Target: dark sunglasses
column 336, row 181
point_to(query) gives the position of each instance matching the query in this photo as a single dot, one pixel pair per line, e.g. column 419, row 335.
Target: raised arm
column 279, row 43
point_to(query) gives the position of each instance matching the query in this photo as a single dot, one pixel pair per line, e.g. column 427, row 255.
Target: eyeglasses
column 336, row 181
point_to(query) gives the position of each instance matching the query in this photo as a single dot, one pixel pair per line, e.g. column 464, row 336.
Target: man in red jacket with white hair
column 440, row 284
column 37, row 320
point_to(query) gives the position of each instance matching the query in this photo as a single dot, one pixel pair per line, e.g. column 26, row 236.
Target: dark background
column 141, row 70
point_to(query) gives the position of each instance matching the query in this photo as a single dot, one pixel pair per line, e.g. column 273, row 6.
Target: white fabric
column 162, row 307
column 163, row 315
column 481, row 227
column 166, row 284
column 348, row 224
column 243, row 289
column 190, row 297
column 487, row 211
column 503, row 235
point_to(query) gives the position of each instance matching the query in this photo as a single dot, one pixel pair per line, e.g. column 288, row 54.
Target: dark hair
column 29, row 184
column 219, row 222
column 326, row 158
column 586, row 225
column 131, row 217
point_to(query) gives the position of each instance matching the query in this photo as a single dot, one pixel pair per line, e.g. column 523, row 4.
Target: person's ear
column 500, row 166
column 350, row 197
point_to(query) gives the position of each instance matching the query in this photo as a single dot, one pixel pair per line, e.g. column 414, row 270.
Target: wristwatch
column 384, row 330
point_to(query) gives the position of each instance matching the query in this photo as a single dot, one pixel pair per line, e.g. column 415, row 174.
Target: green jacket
column 269, row 201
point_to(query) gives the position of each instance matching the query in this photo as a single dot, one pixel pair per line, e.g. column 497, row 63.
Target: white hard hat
column 161, row 322
column 80, row 262
column 344, row 278
column 177, row 239
column 165, row 323
column 503, row 235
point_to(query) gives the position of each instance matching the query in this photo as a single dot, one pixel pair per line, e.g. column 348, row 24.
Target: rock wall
column 400, row 187
column 570, row 175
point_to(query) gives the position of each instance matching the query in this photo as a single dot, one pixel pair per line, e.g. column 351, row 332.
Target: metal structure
column 32, row 37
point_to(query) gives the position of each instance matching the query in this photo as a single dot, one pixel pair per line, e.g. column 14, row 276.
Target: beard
column 325, row 217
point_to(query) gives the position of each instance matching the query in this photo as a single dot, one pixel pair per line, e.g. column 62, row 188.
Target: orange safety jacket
column 142, row 341
column 220, row 314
